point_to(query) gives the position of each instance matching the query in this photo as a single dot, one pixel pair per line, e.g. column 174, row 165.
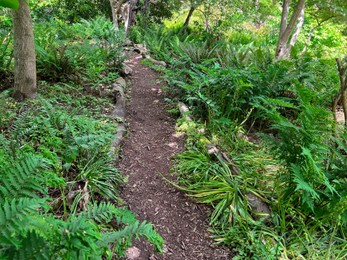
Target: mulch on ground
column 147, row 153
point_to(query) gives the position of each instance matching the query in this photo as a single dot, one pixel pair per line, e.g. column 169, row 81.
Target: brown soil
column 147, row 153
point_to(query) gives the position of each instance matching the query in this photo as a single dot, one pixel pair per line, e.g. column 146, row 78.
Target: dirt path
column 147, row 152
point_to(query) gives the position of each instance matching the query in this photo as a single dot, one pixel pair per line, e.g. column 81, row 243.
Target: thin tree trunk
column 187, row 21
column 287, row 37
column 24, row 53
column 114, row 8
column 342, row 95
column 132, row 13
column 145, row 8
column 298, row 28
column 284, row 18
column 344, row 104
column 130, row 16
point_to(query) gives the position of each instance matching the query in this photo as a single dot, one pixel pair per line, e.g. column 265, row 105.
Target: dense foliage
column 263, row 131
column 273, row 121
column 59, row 184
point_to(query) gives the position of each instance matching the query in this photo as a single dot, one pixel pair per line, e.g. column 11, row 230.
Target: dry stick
column 257, row 204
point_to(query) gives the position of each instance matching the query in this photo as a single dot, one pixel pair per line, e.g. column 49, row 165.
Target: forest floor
column 147, row 155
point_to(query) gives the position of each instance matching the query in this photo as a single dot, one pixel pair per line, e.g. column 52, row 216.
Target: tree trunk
column 187, row 21
column 287, row 37
column 24, row 53
column 116, row 6
column 145, row 8
column 344, row 104
column 297, row 29
column 132, row 13
column 342, row 95
column 129, row 14
column 114, row 9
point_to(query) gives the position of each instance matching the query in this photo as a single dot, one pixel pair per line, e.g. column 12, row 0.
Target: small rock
column 133, row 253
column 173, row 145
column 121, row 82
column 127, row 70
column 128, row 43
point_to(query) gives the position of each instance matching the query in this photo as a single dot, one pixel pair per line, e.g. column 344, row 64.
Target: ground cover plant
column 59, row 183
column 265, row 82
column 273, row 121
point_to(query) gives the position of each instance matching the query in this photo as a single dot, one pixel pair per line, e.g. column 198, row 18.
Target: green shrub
column 55, row 168
column 82, row 51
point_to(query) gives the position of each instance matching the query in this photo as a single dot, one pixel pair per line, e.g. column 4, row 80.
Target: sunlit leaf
column 13, row 4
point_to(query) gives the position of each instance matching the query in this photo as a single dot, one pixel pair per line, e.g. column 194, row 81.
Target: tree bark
column 132, row 14
column 287, row 37
column 342, row 95
column 114, row 5
column 145, row 8
column 298, row 28
column 24, row 53
column 187, row 21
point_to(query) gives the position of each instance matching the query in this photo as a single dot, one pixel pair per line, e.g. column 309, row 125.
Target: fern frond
column 147, row 230
column 102, row 212
column 125, row 216
column 122, row 239
column 79, row 238
column 22, row 178
column 14, row 218
column 33, row 246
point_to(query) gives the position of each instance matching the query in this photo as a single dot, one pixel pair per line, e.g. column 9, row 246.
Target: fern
column 102, row 212
column 16, row 216
column 122, row 239
column 33, row 247
column 22, row 178
column 79, row 239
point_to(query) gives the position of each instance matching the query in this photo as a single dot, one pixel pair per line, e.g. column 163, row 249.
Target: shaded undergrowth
column 277, row 141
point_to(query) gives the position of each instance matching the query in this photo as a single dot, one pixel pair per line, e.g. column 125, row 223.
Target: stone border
column 118, row 94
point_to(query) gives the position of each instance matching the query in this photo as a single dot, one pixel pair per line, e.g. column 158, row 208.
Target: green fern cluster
column 55, row 167
column 83, row 50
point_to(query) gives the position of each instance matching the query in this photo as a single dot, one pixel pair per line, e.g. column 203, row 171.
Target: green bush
column 59, row 185
column 297, row 165
column 82, row 51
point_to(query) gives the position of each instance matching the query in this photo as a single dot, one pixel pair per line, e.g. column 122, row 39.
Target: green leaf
column 13, row 4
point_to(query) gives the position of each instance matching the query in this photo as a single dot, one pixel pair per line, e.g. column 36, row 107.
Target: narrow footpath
column 147, row 153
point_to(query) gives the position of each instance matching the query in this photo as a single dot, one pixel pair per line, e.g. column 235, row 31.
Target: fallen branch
column 118, row 94
column 184, row 110
column 141, row 49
